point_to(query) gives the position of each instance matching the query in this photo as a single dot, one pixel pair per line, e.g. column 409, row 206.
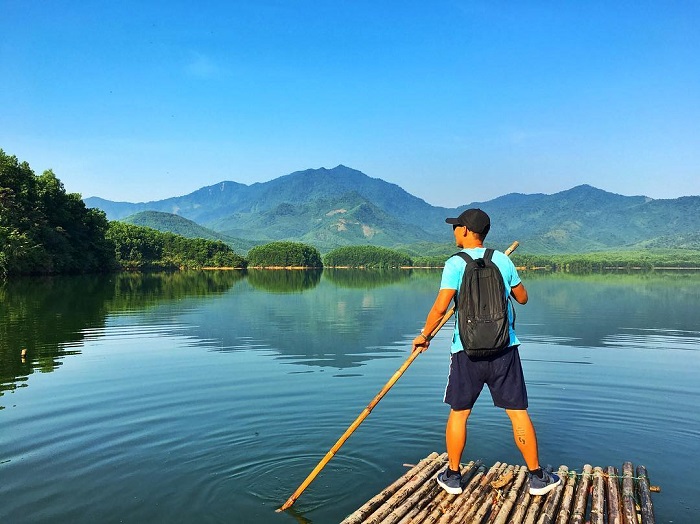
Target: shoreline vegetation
column 46, row 231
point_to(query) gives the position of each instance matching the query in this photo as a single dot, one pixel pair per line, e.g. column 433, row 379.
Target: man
column 502, row 372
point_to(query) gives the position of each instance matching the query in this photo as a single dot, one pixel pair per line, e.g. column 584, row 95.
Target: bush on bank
column 284, row 254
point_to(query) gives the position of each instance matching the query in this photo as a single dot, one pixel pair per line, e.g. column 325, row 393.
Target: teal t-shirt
column 452, row 279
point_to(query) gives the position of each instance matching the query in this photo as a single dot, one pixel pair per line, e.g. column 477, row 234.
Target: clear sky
column 455, row 101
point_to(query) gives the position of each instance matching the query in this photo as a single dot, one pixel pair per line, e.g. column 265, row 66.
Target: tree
column 43, row 229
column 139, row 247
column 284, row 254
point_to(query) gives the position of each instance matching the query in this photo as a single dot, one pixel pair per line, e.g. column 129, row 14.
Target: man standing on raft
column 502, row 371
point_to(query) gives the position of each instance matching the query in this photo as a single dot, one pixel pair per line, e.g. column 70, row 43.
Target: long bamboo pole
column 365, row 413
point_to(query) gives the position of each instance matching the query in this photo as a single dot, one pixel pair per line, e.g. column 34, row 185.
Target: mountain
column 328, row 208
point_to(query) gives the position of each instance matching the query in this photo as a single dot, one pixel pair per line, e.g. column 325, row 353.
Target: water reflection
column 336, row 319
column 51, row 317
column 366, row 278
column 284, row 281
column 594, row 310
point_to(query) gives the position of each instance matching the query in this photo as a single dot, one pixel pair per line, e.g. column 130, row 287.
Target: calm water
column 209, row 396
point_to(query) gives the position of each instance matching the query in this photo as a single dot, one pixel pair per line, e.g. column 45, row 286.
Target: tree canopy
column 43, row 229
column 139, row 247
column 284, row 254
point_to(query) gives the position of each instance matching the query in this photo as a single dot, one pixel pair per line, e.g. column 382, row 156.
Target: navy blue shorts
column 503, row 374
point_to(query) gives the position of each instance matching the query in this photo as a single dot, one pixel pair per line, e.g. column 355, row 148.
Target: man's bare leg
column 525, row 438
column 456, row 436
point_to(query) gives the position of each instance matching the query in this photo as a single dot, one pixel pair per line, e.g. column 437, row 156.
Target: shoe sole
column 449, row 489
column 544, row 490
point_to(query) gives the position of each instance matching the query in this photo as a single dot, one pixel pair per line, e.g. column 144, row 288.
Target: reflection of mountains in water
column 50, row 317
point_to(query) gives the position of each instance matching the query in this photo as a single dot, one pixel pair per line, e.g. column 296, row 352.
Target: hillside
column 329, row 208
column 168, row 222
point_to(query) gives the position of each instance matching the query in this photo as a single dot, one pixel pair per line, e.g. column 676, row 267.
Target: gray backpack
column 482, row 307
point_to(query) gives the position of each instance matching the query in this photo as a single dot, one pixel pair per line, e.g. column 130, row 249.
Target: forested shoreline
column 45, row 230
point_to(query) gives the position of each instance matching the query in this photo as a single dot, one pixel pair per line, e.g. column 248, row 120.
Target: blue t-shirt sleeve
column 508, row 270
column 452, row 273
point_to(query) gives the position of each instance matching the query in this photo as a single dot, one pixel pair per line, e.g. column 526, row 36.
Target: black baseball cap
column 475, row 220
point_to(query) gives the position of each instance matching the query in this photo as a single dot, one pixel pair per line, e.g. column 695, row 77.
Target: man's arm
column 440, row 306
column 519, row 293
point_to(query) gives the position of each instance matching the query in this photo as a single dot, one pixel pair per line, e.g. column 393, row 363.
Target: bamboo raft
column 500, row 495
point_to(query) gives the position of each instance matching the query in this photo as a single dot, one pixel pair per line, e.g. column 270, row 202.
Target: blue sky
column 454, row 101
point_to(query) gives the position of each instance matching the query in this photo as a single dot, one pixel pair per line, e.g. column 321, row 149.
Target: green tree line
column 138, row 247
column 43, row 229
column 604, row 260
column 284, row 254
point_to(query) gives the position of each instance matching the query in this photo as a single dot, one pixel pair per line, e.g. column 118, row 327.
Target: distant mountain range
column 328, row 208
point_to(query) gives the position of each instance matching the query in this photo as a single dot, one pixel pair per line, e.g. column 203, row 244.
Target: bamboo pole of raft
column 645, row 496
column 629, row 508
column 465, row 497
column 521, row 504
column 403, row 493
column 500, row 497
column 467, row 504
column 502, row 516
column 581, row 498
column 481, row 492
column 567, row 499
column 423, row 513
column 423, row 501
column 431, row 514
column 418, row 499
column 426, row 512
column 486, row 497
column 536, row 503
column 614, row 501
column 598, row 497
column 415, row 503
column 365, row 413
column 371, row 505
column 552, row 502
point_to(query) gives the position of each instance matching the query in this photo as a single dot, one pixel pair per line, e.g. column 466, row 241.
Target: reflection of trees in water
column 366, row 278
column 284, row 280
column 594, row 309
column 622, row 277
column 139, row 290
column 48, row 316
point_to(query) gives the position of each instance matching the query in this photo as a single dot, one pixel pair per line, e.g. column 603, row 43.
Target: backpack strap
column 464, row 256
column 467, row 259
column 488, row 254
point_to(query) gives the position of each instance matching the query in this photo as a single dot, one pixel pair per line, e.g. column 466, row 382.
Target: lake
column 200, row 397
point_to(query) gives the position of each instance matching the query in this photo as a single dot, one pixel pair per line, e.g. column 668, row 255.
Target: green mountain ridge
column 329, row 208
